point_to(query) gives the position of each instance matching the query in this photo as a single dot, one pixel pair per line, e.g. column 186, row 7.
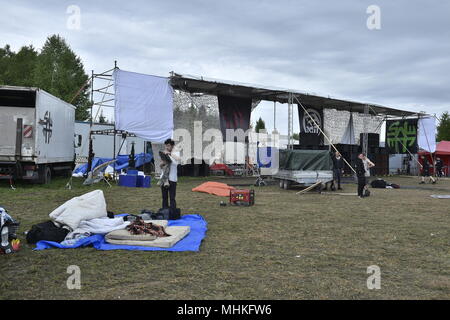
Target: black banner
column 309, row 132
column 401, row 136
column 234, row 113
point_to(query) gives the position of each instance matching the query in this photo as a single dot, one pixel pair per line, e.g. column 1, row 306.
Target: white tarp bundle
column 426, row 136
column 85, row 207
column 143, row 105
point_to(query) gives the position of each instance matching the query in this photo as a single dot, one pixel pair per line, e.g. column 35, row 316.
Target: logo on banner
column 401, row 136
column 47, row 122
column 313, row 122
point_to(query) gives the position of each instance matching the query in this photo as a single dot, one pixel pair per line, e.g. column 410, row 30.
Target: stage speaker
column 310, row 139
column 373, row 140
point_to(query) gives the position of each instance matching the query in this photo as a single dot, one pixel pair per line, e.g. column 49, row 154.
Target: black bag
column 46, row 231
column 168, row 214
column 379, row 183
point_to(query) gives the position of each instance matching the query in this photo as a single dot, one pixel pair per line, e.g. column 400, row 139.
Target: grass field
column 287, row 246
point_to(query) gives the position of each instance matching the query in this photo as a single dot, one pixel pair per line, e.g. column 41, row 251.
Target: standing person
column 367, row 165
column 338, row 170
column 170, row 190
column 361, row 175
column 439, row 165
column 426, row 170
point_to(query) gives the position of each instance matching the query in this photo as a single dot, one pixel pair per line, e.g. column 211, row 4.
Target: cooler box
column 128, row 180
column 144, row 181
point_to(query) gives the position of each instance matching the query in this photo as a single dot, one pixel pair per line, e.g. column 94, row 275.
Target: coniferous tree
column 60, row 72
column 444, row 128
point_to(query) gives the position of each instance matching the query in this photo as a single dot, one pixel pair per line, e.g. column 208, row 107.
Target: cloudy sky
column 322, row 47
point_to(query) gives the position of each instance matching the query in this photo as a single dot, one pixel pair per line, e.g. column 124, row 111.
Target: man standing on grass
column 361, row 174
column 439, row 165
column 338, row 168
column 170, row 190
column 426, row 170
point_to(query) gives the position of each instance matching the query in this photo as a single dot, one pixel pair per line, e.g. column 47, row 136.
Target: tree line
column 54, row 68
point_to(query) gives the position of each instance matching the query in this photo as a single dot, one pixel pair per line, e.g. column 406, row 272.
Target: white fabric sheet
column 143, row 105
column 98, row 226
column 349, row 134
column 426, row 137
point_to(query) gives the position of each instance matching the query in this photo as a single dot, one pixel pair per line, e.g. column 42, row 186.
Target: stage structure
column 241, row 95
column 307, row 103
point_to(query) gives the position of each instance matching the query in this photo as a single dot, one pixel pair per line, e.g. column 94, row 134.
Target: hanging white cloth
column 349, row 134
column 426, row 137
column 143, row 105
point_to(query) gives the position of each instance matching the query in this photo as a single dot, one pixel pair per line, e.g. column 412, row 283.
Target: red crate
column 242, row 197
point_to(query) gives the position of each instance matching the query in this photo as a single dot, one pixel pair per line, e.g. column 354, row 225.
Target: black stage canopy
column 197, row 84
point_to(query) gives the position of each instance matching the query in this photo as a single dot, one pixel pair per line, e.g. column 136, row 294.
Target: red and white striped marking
column 27, row 131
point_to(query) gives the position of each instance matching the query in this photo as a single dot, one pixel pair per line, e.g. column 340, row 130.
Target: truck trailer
column 304, row 168
column 36, row 135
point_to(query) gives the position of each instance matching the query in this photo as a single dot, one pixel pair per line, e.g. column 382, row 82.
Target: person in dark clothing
column 170, row 189
column 360, row 174
column 439, row 166
column 426, row 170
column 338, row 168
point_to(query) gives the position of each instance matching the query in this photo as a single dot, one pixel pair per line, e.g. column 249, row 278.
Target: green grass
column 287, row 246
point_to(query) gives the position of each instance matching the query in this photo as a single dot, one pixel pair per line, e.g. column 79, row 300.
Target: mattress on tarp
column 176, row 234
column 124, row 234
column 305, row 160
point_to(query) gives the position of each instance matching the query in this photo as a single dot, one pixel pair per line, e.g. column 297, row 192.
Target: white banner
column 426, row 136
column 143, row 105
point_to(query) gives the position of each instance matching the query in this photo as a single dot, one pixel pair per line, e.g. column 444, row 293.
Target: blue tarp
column 191, row 242
column 121, row 163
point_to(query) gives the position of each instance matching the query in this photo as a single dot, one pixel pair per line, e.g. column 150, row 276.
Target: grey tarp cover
column 305, row 160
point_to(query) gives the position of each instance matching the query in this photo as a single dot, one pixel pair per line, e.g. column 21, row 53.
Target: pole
column 365, row 142
column 275, row 115
column 91, row 154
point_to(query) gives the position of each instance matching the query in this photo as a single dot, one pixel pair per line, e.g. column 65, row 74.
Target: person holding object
column 367, row 165
column 169, row 176
column 361, row 174
column 338, row 170
column 426, row 170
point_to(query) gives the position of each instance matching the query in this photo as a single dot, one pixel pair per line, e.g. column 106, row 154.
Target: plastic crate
column 126, row 180
column 144, row 182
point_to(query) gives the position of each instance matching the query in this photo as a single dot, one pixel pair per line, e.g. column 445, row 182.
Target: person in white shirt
column 367, row 165
column 170, row 190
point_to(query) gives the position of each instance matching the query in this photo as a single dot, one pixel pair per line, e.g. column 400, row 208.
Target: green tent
column 305, row 160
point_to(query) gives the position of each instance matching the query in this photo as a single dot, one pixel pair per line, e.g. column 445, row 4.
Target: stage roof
column 198, row 84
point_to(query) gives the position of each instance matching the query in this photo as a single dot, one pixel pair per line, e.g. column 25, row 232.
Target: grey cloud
column 315, row 46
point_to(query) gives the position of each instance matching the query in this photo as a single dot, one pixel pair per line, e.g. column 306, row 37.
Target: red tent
column 443, row 152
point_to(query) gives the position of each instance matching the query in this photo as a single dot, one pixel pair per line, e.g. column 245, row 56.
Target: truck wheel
column 281, row 183
column 286, row 184
column 45, row 176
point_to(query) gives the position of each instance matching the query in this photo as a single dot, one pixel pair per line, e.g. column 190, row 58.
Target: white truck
column 36, row 134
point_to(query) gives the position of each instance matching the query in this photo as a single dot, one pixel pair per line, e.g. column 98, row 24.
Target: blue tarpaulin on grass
column 191, row 242
column 121, row 163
